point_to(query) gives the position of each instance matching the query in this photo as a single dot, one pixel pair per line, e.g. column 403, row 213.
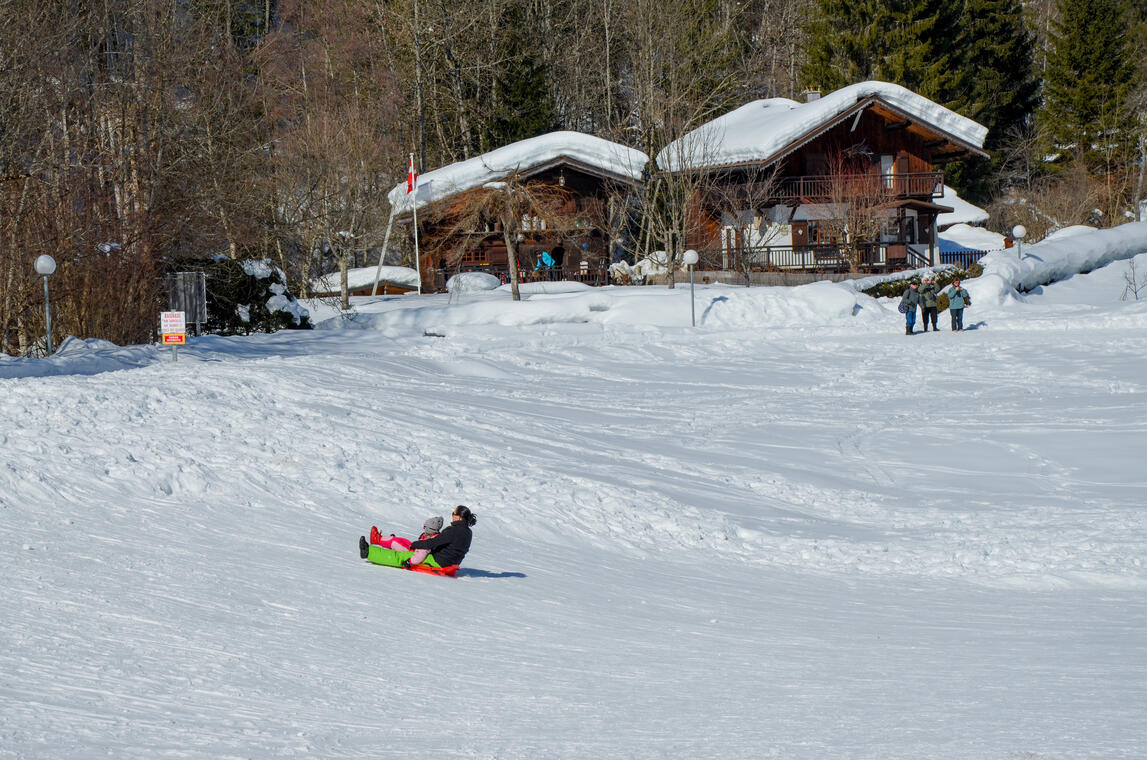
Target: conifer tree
column 523, row 105
column 920, row 49
column 912, row 43
column 844, row 43
column 1002, row 88
column 1090, row 76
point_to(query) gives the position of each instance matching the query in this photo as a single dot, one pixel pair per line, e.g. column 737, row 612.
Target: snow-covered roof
column 604, row 155
column 363, row 277
column 962, row 212
column 758, row 131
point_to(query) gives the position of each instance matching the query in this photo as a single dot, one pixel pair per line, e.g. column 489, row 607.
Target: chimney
column 811, row 95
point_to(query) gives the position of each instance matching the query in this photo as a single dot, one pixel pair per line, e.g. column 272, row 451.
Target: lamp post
column 1018, row 233
column 690, row 258
column 45, row 266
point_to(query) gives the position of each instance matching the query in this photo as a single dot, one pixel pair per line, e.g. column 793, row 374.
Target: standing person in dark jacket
column 908, row 303
column 929, row 299
column 450, row 546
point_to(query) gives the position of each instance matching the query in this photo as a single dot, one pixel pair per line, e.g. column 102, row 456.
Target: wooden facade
column 579, row 244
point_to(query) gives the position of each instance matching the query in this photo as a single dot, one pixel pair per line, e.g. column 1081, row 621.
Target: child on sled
column 431, row 528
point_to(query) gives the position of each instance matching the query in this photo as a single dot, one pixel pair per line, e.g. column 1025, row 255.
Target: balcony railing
column 824, row 188
column 824, row 258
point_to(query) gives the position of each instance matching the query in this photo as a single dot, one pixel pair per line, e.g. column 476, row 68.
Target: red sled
column 449, row 570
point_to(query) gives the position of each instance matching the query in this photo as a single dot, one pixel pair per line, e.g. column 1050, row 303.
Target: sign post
column 173, row 327
column 691, row 258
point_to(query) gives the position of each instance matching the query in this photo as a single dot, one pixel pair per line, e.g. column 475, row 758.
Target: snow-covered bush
column 624, row 273
column 249, row 296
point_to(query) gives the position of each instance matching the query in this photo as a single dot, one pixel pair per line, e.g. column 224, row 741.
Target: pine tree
column 912, row 43
column 523, row 105
column 1002, row 90
column 921, row 50
column 1090, row 76
column 844, row 43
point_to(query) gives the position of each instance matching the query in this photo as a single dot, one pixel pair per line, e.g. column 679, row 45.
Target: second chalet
column 581, row 179
column 848, row 181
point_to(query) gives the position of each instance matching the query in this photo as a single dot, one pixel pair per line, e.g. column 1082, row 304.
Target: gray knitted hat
column 432, row 525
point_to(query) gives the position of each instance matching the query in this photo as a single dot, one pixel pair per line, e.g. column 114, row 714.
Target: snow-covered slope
column 793, row 532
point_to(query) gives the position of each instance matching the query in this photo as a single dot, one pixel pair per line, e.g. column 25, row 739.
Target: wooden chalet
column 587, row 174
column 788, row 183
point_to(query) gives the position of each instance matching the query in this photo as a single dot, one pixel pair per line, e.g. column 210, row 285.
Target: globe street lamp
column 690, row 259
column 1018, row 233
column 45, row 266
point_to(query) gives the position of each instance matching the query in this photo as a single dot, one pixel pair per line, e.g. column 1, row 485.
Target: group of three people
column 927, row 297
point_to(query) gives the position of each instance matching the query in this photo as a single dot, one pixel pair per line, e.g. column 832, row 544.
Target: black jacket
column 449, row 546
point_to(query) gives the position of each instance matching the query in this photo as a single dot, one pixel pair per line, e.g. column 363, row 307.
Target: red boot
column 375, row 536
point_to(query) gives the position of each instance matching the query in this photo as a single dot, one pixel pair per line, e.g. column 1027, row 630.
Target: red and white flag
column 411, row 176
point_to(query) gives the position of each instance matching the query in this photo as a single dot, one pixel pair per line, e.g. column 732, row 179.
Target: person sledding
column 431, row 528
column 445, row 551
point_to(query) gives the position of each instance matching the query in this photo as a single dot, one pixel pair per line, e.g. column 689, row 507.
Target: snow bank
column 1054, row 259
column 816, row 304
column 80, row 357
column 556, row 287
column 472, row 282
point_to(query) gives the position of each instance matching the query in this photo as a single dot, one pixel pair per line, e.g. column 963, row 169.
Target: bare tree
column 858, row 203
column 1134, row 285
column 332, row 107
column 740, row 200
column 515, row 206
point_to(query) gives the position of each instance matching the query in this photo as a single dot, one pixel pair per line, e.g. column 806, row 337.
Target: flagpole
column 417, row 260
column 381, row 256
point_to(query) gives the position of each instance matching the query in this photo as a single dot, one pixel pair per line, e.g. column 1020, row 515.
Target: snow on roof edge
column 593, row 151
column 757, row 130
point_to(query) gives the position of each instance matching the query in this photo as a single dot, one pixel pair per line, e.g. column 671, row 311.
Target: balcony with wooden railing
column 873, row 257
column 823, row 188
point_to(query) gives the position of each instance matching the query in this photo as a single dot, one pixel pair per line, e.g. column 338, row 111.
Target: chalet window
column 887, row 169
column 817, row 234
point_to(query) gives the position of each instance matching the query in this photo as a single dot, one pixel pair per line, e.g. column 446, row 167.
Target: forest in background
column 136, row 135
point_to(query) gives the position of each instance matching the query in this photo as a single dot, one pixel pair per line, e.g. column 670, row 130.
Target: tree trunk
column 344, row 290
column 510, row 237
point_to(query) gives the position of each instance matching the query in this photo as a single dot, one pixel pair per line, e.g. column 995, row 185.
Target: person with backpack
column 909, row 300
column 929, row 295
column 958, row 300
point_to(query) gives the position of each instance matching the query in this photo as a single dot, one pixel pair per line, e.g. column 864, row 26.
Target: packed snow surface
column 790, row 532
column 523, row 155
column 757, row 131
